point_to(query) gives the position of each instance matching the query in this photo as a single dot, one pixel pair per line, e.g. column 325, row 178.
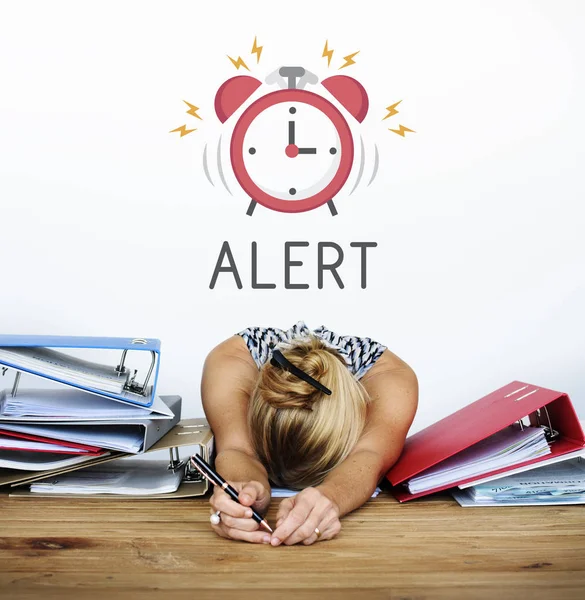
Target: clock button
column 292, row 110
column 292, row 191
column 333, row 150
column 252, row 151
column 291, row 150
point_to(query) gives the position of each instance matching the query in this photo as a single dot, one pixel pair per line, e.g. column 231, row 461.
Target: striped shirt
column 359, row 353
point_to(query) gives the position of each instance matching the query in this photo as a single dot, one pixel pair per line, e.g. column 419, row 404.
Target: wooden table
column 109, row 549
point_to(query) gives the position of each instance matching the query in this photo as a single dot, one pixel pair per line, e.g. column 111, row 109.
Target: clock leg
column 251, row 208
column 332, row 208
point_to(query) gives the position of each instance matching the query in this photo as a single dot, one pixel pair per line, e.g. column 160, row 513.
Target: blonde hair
column 299, row 433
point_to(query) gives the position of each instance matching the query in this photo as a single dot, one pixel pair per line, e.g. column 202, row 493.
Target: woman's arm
column 393, row 388
column 229, row 377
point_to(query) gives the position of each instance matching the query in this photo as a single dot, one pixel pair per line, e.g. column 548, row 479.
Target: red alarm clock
column 292, row 150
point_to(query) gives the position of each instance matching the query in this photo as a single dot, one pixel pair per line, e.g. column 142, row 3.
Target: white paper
column 549, row 461
column 129, row 477
column 463, row 498
column 507, row 447
column 278, row 492
column 71, row 404
column 49, row 362
column 555, row 480
column 39, row 461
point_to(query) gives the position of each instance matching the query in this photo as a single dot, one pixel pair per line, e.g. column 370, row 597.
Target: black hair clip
column 279, row 360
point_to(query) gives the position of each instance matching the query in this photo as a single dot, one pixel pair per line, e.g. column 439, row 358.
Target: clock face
column 292, row 150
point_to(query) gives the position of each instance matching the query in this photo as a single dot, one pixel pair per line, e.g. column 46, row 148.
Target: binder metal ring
column 190, row 473
column 132, row 386
column 550, row 433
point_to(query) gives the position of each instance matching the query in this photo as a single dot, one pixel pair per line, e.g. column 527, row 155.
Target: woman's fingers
column 252, row 492
column 222, row 502
column 235, row 523
column 254, row 537
column 283, row 510
column 308, row 528
column 311, row 510
column 299, row 513
column 327, row 532
column 236, row 517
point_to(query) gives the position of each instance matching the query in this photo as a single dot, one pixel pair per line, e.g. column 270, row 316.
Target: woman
column 309, row 410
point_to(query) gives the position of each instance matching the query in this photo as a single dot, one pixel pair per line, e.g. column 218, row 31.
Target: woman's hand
column 236, row 521
column 299, row 516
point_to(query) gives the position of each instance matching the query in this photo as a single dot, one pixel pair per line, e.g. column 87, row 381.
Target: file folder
column 188, row 432
column 510, row 404
column 140, row 392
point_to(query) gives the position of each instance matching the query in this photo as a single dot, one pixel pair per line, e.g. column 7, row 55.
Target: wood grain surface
column 428, row 549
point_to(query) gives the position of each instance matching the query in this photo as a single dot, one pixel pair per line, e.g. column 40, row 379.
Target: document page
column 508, row 447
column 564, row 479
column 62, row 366
column 65, row 404
column 127, row 477
column 39, row 461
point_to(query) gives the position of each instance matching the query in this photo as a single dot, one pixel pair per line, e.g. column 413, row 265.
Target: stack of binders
column 87, row 405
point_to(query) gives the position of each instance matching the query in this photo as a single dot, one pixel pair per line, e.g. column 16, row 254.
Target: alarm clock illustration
column 292, row 149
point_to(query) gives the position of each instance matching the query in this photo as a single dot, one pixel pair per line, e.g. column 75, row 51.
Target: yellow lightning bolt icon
column 192, row 109
column 349, row 60
column 402, row 129
column 327, row 53
column 256, row 50
column 392, row 110
column 238, row 63
column 183, row 130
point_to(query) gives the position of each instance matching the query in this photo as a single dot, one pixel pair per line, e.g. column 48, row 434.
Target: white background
column 109, row 226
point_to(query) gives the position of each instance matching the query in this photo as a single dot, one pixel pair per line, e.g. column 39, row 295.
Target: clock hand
column 307, row 150
column 291, row 132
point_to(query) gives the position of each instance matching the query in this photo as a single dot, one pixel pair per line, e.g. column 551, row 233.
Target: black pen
column 218, row 480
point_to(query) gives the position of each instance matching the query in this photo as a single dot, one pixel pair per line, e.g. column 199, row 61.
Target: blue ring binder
column 133, row 392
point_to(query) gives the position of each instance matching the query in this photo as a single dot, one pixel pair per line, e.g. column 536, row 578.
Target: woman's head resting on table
column 299, row 432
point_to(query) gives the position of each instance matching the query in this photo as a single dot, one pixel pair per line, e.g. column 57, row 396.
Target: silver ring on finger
column 215, row 518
